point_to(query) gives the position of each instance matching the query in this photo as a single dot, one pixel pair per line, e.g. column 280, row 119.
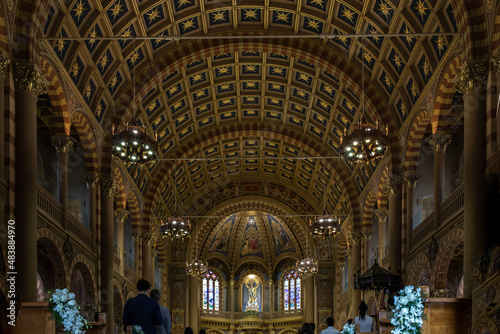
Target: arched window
column 292, row 291
column 211, row 290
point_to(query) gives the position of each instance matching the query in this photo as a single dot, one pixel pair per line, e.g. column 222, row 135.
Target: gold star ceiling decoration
column 79, row 9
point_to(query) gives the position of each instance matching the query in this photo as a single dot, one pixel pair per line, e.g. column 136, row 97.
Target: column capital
column 438, row 142
column 27, row 79
column 411, row 179
column 90, row 179
column 354, row 238
column 121, row 215
column 4, row 64
column 393, row 186
column 341, row 265
column 366, row 233
column 162, row 264
column 381, row 215
column 108, row 187
column 472, row 77
column 135, row 234
column 62, row 143
column 148, row 238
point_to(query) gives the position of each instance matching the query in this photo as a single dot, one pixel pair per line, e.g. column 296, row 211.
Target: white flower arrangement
column 408, row 311
column 66, row 312
column 348, row 329
column 137, row 330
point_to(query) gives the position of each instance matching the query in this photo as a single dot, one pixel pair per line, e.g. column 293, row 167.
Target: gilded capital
column 354, row 238
column 393, row 186
column 90, row 179
column 121, row 215
column 411, row 179
column 341, row 265
column 28, row 80
column 438, row 142
column 108, row 187
column 148, row 238
column 381, row 215
column 62, row 143
column 135, row 234
column 472, row 77
column 366, row 232
column 4, row 64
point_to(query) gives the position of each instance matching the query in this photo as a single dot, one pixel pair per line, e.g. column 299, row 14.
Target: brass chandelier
column 196, row 267
column 175, row 227
column 307, row 266
column 366, row 142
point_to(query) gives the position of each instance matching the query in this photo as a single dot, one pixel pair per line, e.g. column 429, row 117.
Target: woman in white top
column 365, row 322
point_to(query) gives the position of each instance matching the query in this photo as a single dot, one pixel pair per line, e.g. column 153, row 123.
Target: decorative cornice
column 354, row 238
column 148, row 238
column 108, row 187
column 381, row 215
column 472, row 77
column 393, row 186
column 90, row 179
column 366, row 233
column 438, row 142
column 4, row 64
column 28, row 80
column 411, row 179
column 135, row 234
column 121, row 215
column 62, row 143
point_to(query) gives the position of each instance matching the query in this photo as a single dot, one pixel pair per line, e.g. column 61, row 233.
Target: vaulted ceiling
column 229, row 111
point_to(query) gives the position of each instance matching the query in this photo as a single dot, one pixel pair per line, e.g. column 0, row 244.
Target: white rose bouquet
column 66, row 312
column 137, row 330
column 348, row 329
column 408, row 311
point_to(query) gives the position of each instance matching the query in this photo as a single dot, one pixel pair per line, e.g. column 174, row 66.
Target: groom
column 142, row 310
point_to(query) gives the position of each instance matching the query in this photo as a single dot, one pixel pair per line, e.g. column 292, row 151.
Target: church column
column 230, row 299
column 136, row 236
column 63, row 144
column 121, row 215
column 366, row 234
column 147, row 256
column 108, row 191
column 90, row 180
column 309, row 298
column 472, row 83
column 194, row 284
column 271, row 296
column 355, row 241
column 28, row 84
column 410, row 180
column 393, row 187
column 381, row 216
column 438, row 143
column 4, row 64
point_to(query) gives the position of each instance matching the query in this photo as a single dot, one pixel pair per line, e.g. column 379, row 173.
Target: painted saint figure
column 252, row 296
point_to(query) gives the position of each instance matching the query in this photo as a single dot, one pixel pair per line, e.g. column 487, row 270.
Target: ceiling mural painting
column 220, row 241
column 251, row 244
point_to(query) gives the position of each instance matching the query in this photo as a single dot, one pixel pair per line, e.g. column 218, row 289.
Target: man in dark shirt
column 142, row 310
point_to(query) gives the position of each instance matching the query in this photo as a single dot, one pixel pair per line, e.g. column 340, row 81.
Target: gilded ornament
column 90, row 180
column 108, row 187
column 121, row 215
column 4, row 64
column 381, row 215
column 495, row 63
column 148, row 238
column 393, row 186
column 354, row 238
column 135, row 234
column 438, row 142
column 473, row 76
column 366, row 233
column 411, row 179
column 62, row 143
column 28, row 80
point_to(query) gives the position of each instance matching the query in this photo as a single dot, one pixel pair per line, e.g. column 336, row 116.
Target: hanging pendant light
column 133, row 145
column 307, row 266
column 175, row 227
column 196, row 267
column 366, row 142
column 325, row 225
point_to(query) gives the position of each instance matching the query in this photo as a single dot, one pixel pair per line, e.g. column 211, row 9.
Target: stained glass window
column 291, row 291
column 211, row 291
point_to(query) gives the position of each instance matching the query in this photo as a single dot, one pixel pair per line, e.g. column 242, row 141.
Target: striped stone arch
column 84, row 129
column 444, row 95
column 120, row 196
column 342, row 240
column 51, row 243
column 382, row 199
column 495, row 39
column 81, row 263
column 446, row 249
column 308, row 50
column 57, row 98
column 415, row 138
column 4, row 43
column 421, row 261
column 471, row 19
column 368, row 207
column 161, row 174
column 134, row 208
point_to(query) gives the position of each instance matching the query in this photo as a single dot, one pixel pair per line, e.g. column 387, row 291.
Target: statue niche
column 252, row 294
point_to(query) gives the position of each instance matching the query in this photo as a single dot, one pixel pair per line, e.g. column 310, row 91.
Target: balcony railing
column 79, row 230
column 239, row 315
column 495, row 162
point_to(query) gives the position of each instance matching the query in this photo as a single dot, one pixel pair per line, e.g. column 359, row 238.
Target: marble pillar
column 63, row 144
column 381, row 216
column 147, row 256
column 354, row 239
column 91, row 180
column 121, row 215
column 410, row 180
column 393, row 187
